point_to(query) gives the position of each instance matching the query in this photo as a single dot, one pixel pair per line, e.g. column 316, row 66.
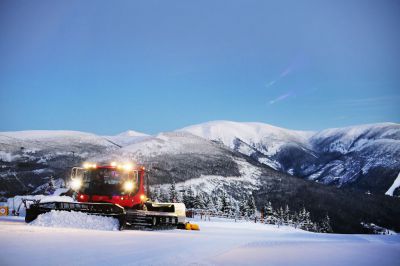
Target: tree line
column 219, row 203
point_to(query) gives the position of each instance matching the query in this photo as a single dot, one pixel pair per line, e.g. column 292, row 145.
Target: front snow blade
column 102, row 209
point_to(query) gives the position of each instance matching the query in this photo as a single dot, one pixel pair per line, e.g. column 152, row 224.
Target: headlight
column 89, row 165
column 127, row 167
column 129, row 185
column 142, row 197
column 76, row 184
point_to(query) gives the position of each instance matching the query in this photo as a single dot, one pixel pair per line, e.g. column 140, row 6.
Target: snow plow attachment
column 153, row 216
column 34, row 209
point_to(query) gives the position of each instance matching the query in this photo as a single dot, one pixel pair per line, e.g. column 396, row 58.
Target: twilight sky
column 151, row 66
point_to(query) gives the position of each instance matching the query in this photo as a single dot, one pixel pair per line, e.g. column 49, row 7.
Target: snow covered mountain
column 259, row 140
column 213, row 164
column 127, row 137
column 30, row 158
column 361, row 157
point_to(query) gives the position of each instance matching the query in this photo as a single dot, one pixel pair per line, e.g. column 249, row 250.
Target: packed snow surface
column 219, row 242
column 76, row 220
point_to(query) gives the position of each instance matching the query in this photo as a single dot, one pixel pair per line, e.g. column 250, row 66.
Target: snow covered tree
column 156, row 194
column 280, row 217
column 235, row 208
column 288, row 216
column 207, row 202
column 188, row 198
column 269, row 213
column 225, row 203
column 295, row 219
column 325, row 226
column 198, row 201
column 250, row 207
column 243, row 208
column 173, row 194
column 305, row 220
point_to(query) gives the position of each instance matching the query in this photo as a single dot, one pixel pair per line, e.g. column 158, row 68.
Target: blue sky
column 151, row 66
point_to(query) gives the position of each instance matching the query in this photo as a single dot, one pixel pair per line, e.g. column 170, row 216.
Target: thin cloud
column 286, row 72
column 297, row 63
column 271, row 83
column 283, row 74
column 281, row 98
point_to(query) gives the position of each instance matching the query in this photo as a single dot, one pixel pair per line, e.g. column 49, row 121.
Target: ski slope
column 220, row 242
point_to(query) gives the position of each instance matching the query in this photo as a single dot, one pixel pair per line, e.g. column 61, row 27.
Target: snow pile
column 76, row 220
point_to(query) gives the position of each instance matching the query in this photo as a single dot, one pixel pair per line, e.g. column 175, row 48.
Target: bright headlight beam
column 127, row 167
column 76, row 184
column 129, row 185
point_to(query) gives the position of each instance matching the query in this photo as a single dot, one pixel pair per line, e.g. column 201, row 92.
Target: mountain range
column 344, row 172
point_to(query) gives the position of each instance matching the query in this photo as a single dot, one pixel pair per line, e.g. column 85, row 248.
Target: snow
column 249, row 179
column 16, row 204
column 47, row 134
column 8, row 157
column 395, row 185
column 128, row 137
column 219, row 242
column 132, row 133
column 41, row 171
column 252, row 133
column 356, row 137
column 170, row 143
column 76, row 220
column 51, row 140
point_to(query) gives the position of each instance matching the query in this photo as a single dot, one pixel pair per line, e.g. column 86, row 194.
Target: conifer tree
column 243, row 208
column 173, row 194
column 326, row 225
column 269, row 213
column 251, row 207
column 288, row 216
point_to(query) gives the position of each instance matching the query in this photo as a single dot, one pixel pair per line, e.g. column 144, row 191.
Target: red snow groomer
column 115, row 190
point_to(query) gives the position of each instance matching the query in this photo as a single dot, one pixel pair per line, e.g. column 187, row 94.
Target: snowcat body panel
column 128, row 200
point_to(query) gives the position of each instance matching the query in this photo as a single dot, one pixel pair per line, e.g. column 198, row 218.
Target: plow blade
column 102, row 209
column 156, row 216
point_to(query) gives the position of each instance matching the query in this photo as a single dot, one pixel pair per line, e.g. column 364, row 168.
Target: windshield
column 104, row 181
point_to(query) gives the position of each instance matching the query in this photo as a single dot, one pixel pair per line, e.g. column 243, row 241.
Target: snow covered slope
column 180, row 156
column 45, row 145
column 127, row 138
column 30, row 158
column 219, row 242
column 394, row 186
column 363, row 157
column 265, row 138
